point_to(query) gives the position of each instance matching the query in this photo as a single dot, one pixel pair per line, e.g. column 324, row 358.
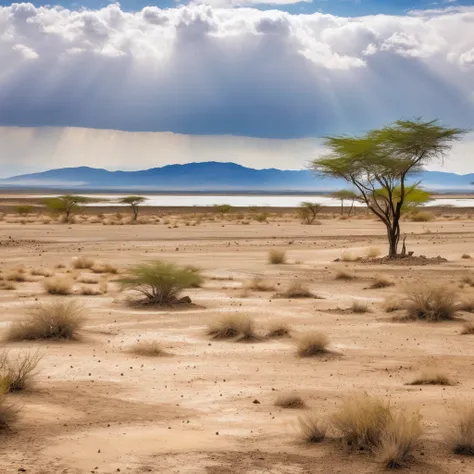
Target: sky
column 135, row 85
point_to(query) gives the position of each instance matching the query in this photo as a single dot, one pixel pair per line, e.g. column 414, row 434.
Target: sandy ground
column 96, row 408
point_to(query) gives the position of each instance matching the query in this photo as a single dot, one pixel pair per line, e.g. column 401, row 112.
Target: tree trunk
column 350, row 209
column 342, row 207
column 135, row 212
column 393, row 234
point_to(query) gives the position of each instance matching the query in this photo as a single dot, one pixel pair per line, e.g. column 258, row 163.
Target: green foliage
column 223, row 208
column 308, row 211
column 24, row 209
column 346, row 195
column 160, row 282
column 378, row 164
column 67, row 204
column 134, row 202
column 261, row 217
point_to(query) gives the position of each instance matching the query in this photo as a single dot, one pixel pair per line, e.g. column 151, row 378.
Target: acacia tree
column 67, row 204
column 133, row 201
column 308, row 211
column 345, row 195
column 379, row 163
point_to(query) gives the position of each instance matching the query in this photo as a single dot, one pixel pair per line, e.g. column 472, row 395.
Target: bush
column 431, row 303
column 312, row 430
column 57, row 320
column 278, row 330
column 290, row 400
column 392, row 304
column 460, row 434
column 104, row 268
column 308, row 212
column 381, row 281
column 17, row 374
column 8, row 413
column 232, row 326
column 89, row 291
column 312, row 344
column 421, row 216
column 465, row 256
column 401, row 436
column 82, row 262
column 7, row 285
column 262, row 217
column 148, row 348
column 297, row 289
column 258, row 283
column 432, row 377
column 160, row 282
column 361, row 421
column 23, row 210
column 58, row 285
column 222, row 208
column 88, row 280
column 276, row 257
column 372, row 252
column 359, row 307
column 41, row 272
column 468, row 328
column 348, row 256
column 345, row 275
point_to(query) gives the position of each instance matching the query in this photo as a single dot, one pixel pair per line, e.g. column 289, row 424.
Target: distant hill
column 208, row 176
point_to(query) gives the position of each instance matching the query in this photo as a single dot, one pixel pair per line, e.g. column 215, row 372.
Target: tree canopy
column 67, row 204
column 134, row 202
column 379, row 163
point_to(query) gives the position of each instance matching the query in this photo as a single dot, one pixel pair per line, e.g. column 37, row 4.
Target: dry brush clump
column 58, row 285
column 468, row 328
column 313, row 344
column 8, row 413
column 276, row 257
column 258, row 283
column 278, row 330
column 381, row 281
column 56, row 320
column 296, row 289
column 431, row 303
column 160, row 283
column 432, row 377
column 345, row 275
column 238, row 327
column 459, row 434
column 104, row 268
column 17, row 373
column 290, row 400
column 313, row 430
column 148, row 349
column 83, row 262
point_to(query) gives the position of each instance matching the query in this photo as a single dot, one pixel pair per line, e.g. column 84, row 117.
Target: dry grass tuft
column 431, row 303
column 17, row 275
column 148, row 349
column 104, row 268
column 372, row 252
column 313, row 344
column 465, row 256
column 348, row 256
column 381, row 281
column 312, row 430
column 460, row 434
column 88, row 280
column 392, row 304
column 290, row 400
column 17, row 374
column 83, row 262
column 278, row 330
column 58, row 285
column 467, row 304
column 57, row 320
column 345, row 275
column 8, row 413
column 42, row 272
column 361, row 421
column 7, row 285
column 432, row 377
column 276, row 257
column 89, row 291
column 297, row 289
column 400, row 438
column 359, row 307
column 468, row 328
column 233, row 326
column 258, row 283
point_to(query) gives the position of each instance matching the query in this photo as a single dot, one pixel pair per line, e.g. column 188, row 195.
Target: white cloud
column 208, row 70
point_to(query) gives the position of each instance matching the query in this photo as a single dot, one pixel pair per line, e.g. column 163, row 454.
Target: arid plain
column 209, row 406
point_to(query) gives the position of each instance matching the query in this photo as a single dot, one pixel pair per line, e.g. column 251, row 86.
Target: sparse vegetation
column 8, row 413
column 460, row 433
column 465, row 256
column 432, row 377
column 276, row 257
column 297, row 289
column 312, row 429
column 17, row 373
column 290, row 400
column 348, row 256
column 82, row 262
column 308, row 212
column 468, row 328
column 222, row 208
column 65, row 205
column 381, row 281
column 278, row 330
column 345, row 275
column 88, row 280
column 58, row 285
column 89, row 291
column 133, row 202
column 431, row 303
column 57, row 320
column 258, row 283
column 372, row 252
column 104, row 268
column 160, row 282
column 41, row 272
column 24, row 209
column 359, row 307
column 148, row 349
column 392, row 304
column 232, row 326
column 421, row 216
column 312, row 344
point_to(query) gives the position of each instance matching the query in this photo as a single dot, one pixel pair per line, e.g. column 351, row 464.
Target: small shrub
column 41, row 272
column 148, row 349
column 372, row 252
column 57, row 320
column 82, row 262
column 359, row 307
column 345, row 275
column 460, row 434
column 222, row 208
column 290, row 400
column 312, row 344
column 432, row 377
column 88, row 280
column 258, row 283
column 7, row 285
column 468, row 328
column 399, row 439
column 58, row 286
column 17, row 374
column 297, row 289
column 276, row 257
column 8, row 413
column 361, row 421
column 232, row 326
column 160, row 282
column 381, row 281
column 308, row 212
column 104, row 268
column 278, row 330
column 348, row 256
column 24, row 210
column 17, row 276
column 421, row 216
column 465, row 256
column 392, row 304
column 262, row 217
column 466, row 305
column 312, row 430
column 89, row 291
column 467, row 279
column 431, row 303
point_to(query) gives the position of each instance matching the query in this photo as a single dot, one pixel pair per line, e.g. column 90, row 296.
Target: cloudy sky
column 253, row 81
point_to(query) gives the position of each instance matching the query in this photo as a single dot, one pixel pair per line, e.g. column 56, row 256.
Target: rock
column 256, row 402
column 185, row 300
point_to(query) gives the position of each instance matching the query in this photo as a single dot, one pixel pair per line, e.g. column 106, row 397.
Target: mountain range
column 209, row 176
